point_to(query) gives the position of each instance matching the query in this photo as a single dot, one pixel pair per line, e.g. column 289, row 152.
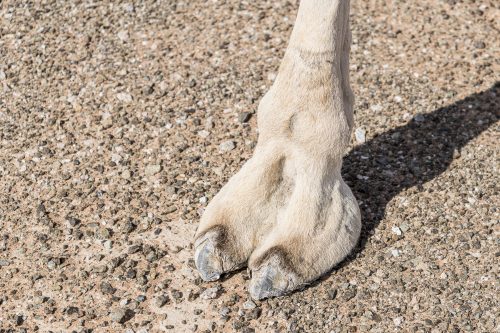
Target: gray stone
column 331, row 294
column 161, row 300
column 224, row 312
column 479, row 45
column 350, row 294
column 170, row 209
column 210, row 293
column 227, row 146
column 419, row 118
column 248, row 305
column 73, row 221
column 108, row 245
column 107, row 288
column 244, row 117
column 121, row 315
column 134, row 249
column 51, row 264
column 148, row 90
column 404, row 227
column 103, row 233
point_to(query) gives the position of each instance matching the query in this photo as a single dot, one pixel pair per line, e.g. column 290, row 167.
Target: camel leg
column 303, row 219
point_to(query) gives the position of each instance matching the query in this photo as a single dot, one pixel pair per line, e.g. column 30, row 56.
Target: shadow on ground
column 413, row 154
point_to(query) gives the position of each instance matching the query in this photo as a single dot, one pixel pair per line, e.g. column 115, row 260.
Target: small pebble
column 124, row 97
column 244, row 117
column 332, row 293
column 227, row 146
column 148, row 90
column 126, row 174
column 73, row 221
column 404, row 227
column 123, row 35
column 152, row 169
column 203, row 134
column 398, row 321
column 396, row 230
column 161, row 300
column 224, row 312
column 360, row 134
column 210, row 293
column 419, row 118
column 134, row 249
column 51, row 264
column 479, row 45
column 248, row 305
column 107, row 288
column 120, row 315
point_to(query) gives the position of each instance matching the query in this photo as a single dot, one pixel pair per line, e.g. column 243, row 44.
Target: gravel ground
column 119, row 121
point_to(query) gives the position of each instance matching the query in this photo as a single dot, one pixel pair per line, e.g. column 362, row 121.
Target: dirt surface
column 120, row 120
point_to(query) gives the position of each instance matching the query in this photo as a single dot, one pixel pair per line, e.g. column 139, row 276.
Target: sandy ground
column 111, row 119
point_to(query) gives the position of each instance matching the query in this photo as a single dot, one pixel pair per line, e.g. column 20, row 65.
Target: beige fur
column 287, row 211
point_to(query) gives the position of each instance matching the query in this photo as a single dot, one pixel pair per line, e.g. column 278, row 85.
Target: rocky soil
column 119, row 121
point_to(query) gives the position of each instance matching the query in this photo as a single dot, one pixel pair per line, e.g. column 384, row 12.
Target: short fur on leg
column 320, row 223
column 288, row 210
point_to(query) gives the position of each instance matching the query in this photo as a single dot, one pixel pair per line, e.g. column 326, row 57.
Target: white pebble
column 398, row 321
column 209, row 123
column 404, row 227
column 153, row 169
column 203, row 134
column 226, row 146
column 360, row 134
column 129, row 7
column 395, row 252
column 116, row 158
column 396, row 230
column 124, row 97
column 210, row 293
column 123, row 35
column 126, row 174
column 248, row 305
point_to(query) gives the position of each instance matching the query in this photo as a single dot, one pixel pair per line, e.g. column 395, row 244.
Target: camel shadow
column 413, row 154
